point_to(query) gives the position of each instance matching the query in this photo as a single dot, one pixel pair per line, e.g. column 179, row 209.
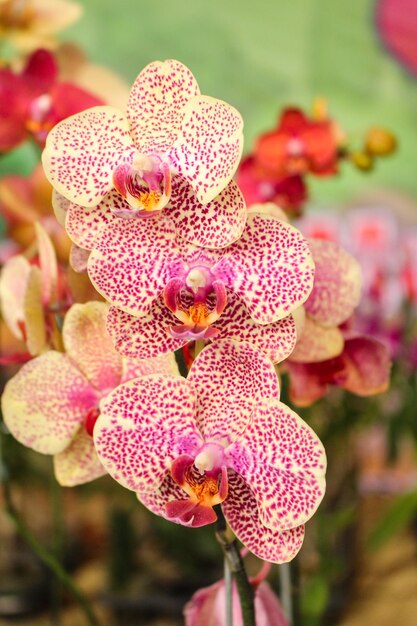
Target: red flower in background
column 289, row 192
column 299, row 145
column 396, row 22
column 33, row 100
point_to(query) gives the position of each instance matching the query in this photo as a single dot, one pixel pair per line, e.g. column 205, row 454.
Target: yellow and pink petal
column 156, row 104
column 78, row 463
column 230, row 379
column 337, row 284
column 82, row 152
column 143, row 426
column 241, row 512
column 288, row 465
column 46, row 402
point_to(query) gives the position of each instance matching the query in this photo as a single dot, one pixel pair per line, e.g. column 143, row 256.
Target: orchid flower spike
column 52, row 403
column 175, row 148
column 221, row 436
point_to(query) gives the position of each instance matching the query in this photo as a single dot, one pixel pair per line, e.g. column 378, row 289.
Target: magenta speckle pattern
column 270, row 268
column 45, row 402
column 230, row 379
column 79, row 463
column 84, row 225
column 317, row 343
column 132, row 261
column 143, row 337
column 276, row 340
column 82, row 152
column 144, row 425
column 156, row 104
column 241, row 512
column 209, row 146
column 213, row 225
column 287, row 479
column 337, row 283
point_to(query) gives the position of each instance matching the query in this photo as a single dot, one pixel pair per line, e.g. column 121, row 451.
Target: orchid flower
column 363, row 368
column 31, row 24
column 335, row 295
column 221, row 436
column 299, row 145
column 207, row 607
column 30, row 295
column 288, row 192
column 52, row 403
column 34, row 100
column 174, row 148
column 166, row 292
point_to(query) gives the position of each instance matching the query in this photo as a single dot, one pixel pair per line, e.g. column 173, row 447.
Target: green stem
column 44, row 555
column 232, row 554
column 58, row 542
column 285, row 591
column 229, row 593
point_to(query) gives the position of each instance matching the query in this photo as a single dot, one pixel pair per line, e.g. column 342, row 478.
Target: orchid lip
column 145, row 184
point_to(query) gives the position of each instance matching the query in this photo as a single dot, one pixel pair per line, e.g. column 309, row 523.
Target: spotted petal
column 230, row 378
column 82, row 152
column 287, row 467
column 317, row 343
column 45, row 403
column 164, row 364
column 276, row 340
column 60, row 205
column 131, row 263
column 241, row 512
column 270, row 268
column 79, row 463
column 209, row 146
column 143, row 337
column 83, row 225
column 144, row 425
column 89, row 346
column 214, row 225
column 337, row 283
column 156, row 104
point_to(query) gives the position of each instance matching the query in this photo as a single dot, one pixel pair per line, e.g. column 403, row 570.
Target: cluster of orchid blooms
column 185, row 259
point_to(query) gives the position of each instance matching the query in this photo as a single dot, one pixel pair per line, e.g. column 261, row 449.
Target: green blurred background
column 265, row 55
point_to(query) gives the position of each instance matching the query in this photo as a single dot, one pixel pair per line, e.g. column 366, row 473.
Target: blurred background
column 359, row 563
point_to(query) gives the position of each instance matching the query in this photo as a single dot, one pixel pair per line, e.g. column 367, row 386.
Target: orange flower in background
column 30, row 24
column 299, row 145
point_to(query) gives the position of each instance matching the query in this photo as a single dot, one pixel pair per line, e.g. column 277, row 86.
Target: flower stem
column 237, row 567
column 44, row 555
column 285, row 594
column 228, row 589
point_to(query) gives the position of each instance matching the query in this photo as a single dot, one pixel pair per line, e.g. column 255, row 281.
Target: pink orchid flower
column 335, row 295
column 221, row 436
column 166, row 292
column 33, row 101
column 53, row 401
column 174, row 148
column 32, row 294
column 363, row 368
column 207, row 607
